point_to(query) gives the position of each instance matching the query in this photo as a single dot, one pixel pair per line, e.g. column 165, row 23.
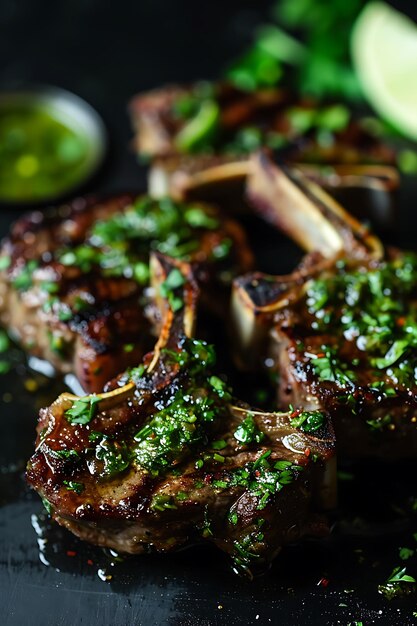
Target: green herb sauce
column 120, row 245
column 40, row 156
column 366, row 319
column 248, row 432
column 374, row 311
column 184, row 424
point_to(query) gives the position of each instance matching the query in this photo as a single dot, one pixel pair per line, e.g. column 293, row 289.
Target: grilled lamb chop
column 341, row 331
column 199, row 139
column 164, row 459
column 72, row 282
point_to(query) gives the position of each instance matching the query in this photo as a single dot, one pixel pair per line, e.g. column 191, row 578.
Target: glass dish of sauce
column 51, row 142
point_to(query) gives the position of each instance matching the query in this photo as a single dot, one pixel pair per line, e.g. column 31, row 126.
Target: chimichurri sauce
column 40, row 156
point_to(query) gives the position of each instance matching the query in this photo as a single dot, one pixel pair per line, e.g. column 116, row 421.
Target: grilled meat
column 165, row 458
column 341, row 331
column 199, row 139
column 72, row 282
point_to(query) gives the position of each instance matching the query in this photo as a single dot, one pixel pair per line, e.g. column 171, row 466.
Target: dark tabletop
column 106, row 52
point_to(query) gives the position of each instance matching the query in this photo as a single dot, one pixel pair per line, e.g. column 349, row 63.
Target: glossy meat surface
column 73, row 282
column 166, row 459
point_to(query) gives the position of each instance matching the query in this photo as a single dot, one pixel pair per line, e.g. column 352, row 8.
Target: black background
column 106, row 52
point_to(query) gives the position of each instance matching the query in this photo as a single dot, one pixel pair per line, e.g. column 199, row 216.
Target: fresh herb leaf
column 248, row 432
column 378, row 424
column 66, row 454
column 167, row 289
column 4, row 366
column 219, row 444
column 115, row 456
column 183, row 425
column 309, row 421
column 200, row 129
column 47, row 505
column 162, row 502
column 398, row 584
column 24, row 280
column 4, row 341
column 83, row 410
column 72, row 485
column 406, row 553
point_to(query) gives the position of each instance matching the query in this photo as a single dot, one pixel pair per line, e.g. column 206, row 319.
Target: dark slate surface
column 106, row 51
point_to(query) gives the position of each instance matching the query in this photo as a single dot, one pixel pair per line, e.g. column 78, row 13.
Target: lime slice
column 384, row 50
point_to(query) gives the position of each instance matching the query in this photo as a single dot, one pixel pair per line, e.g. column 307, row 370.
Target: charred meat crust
column 77, row 301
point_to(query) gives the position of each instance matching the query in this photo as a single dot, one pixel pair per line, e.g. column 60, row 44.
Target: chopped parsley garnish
column 200, row 129
column 374, row 308
column 49, row 286
column 83, row 410
column 245, row 551
column 24, row 279
column 4, row 341
column 72, row 485
column 184, row 424
column 197, row 218
column 219, row 444
column 220, row 387
column 5, row 364
column 136, row 373
column 247, row 432
column 174, row 279
column 263, row 478
column 366, row 317
column 115, row 455
column 398, row 584
column 162, row 502
column 378, row 424
column 406, row 553
column 168, row 288
column 309, row 421
column 47, row 505
column 327, row 367
column 5, row 262
column 121, row 244
column 66, row 454
column 173, row 432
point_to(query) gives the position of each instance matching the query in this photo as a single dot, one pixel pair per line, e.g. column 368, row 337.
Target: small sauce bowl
column 51, row 142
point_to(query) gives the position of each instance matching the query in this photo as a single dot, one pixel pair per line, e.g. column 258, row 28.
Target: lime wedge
column 384, row 50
